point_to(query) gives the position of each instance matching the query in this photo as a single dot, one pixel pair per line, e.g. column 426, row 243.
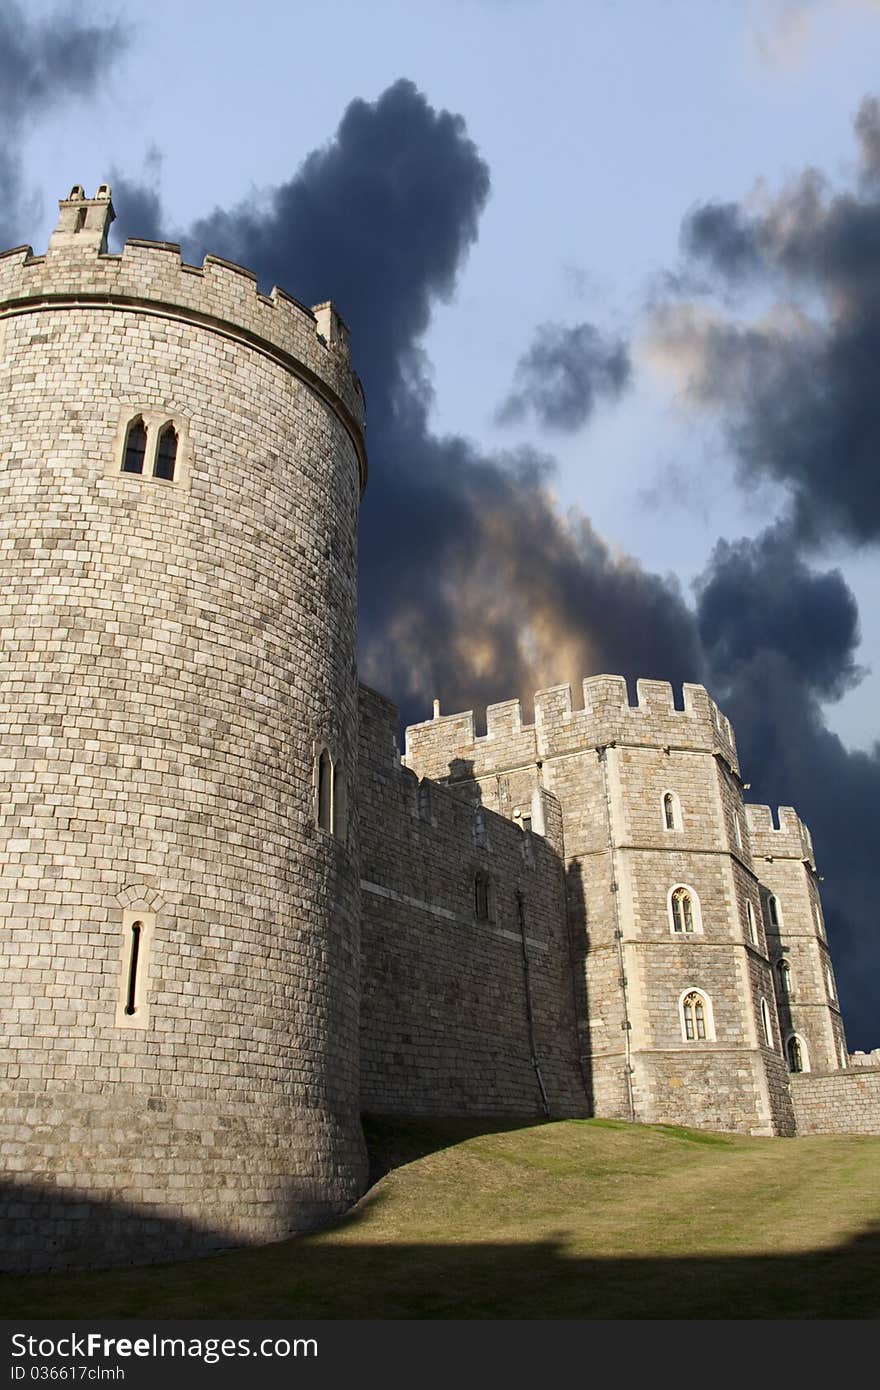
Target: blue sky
column 651, row 230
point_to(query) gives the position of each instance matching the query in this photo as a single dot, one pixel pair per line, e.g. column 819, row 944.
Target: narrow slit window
column 750, row 920
column 669, row 811
column 325, row 791
column 134, row 950
column 773, row 910
column 765, row 1023
column 481, row 897
column 166, row 454
column 135, row 447
column 783, row 970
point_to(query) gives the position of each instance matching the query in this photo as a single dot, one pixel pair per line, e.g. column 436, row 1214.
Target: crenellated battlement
column 449, row 745
column 784, row 838
column 151, row 277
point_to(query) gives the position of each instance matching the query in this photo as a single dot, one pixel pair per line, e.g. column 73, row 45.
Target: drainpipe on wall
column 521, row 914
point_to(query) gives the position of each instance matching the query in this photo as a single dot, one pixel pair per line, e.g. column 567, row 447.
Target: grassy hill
column 578, row 1219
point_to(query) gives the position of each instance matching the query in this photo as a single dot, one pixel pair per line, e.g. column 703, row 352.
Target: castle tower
column 810, row 1020
column 677, row 1011
column 181, row 462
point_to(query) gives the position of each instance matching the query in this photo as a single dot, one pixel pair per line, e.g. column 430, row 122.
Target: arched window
column 671, row 812
column 166, row 453
column 774, row 911
column 750, row 923
column 684, row 910
column 695, row 1014
column 783, row 970
column 766, row 1024
column 829, row 983
column 820, row 926
column 135, row 447
column 737, row 830
column 481, row 897
column 325, row 791
column 796, row 1054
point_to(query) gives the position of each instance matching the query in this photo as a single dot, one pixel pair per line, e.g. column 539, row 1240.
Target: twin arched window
column 144, row 447
column 684, row 910
column 695, row 1013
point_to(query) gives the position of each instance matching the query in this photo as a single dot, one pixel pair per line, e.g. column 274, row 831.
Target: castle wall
column 447, row 996
column 840, row 1102
column 173, row 652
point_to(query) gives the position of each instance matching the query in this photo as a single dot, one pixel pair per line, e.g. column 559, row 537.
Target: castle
column 232, row 916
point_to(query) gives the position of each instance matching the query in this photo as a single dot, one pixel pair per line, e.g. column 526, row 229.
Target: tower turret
column 181, row 462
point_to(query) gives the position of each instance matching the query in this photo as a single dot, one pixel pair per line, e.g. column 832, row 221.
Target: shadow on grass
column 343, row 1273
column 307, row 1279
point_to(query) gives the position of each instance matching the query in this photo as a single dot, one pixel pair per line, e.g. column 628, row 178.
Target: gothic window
column 766, row 1024
column 481, row 897
column 695, row 1011
column 325, row 791
column 783, row 970
column 773, row 911
column 671, row 812
column 135, row 447
column 750, row 922
column 166, row 453
column 796, row 1054
column 684, row 911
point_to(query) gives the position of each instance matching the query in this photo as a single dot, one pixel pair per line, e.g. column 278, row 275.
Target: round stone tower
column 181, row 463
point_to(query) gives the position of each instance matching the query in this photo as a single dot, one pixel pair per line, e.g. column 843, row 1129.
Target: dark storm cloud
column 796, row 390
column 42, row 64
column 563, row 373
column 779, row 637
column 472, row 586
column 759, row 595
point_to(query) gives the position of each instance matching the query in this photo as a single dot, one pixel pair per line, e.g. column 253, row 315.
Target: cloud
column 790, row 31
column 562, row 375
column 43, row 63
column 794, row 387
column 779, row 639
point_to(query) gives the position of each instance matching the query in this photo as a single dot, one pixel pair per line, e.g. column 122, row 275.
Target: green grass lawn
column 578, row 1219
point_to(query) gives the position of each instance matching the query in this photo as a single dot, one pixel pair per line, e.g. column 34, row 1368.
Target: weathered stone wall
column 173, row 653
column 446, row 996
column 840, row 1102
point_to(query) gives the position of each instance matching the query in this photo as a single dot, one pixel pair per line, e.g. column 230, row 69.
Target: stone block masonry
column 174, row 652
